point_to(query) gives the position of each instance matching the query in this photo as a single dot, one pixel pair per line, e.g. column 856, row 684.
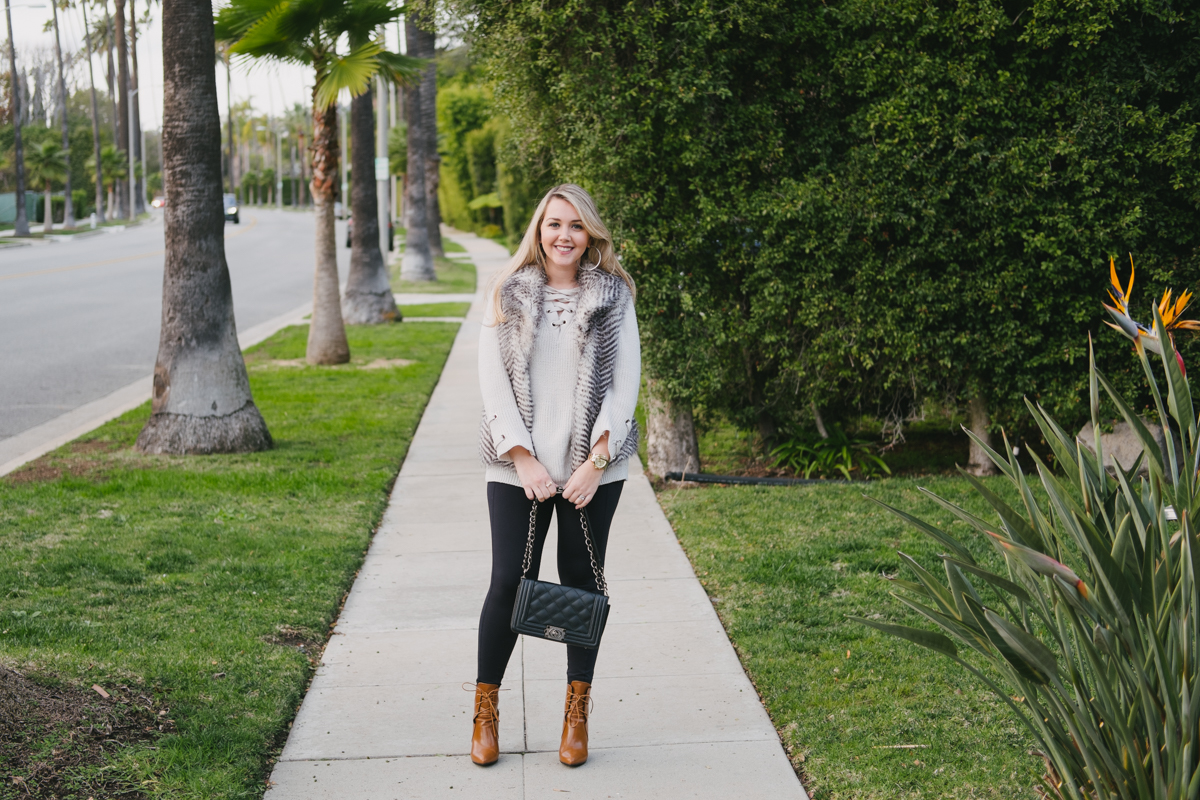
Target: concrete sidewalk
column 386, row 716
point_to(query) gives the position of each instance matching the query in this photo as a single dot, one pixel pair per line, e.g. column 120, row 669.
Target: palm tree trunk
column 369, row 299
column 22, row 221
column 427, row 37
column 304, row 175
column 327, row 333
column 417, row 264
column 48, row 223
column 68, row 211
column 112, row 90
column 136, row 133
column 201, row 401
column 123, row 98
column 95, row 123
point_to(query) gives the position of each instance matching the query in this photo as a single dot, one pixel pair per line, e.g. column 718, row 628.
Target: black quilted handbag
column 561, row 613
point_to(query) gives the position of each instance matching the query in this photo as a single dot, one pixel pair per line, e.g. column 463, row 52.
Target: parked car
column 391, row 234
column 231, row 209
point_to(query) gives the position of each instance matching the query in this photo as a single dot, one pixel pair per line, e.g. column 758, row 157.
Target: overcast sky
column 272, row 87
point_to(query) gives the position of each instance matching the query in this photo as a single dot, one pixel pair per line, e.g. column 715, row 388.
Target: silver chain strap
column 601, row 584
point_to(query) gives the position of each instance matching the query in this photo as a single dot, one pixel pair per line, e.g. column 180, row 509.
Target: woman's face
column 563, row 238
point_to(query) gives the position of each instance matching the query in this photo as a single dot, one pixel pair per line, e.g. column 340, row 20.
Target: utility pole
column 393, row 96
column 382, row 201
column 68, row 210
column 95, row 119
column 279, row 169
column 22, row 220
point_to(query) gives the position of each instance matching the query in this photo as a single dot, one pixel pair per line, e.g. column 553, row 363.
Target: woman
column 560, row 367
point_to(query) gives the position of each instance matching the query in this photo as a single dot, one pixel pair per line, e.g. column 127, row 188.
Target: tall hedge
column 861, row 205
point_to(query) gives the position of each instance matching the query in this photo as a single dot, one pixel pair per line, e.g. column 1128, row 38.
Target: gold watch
column 599, row 461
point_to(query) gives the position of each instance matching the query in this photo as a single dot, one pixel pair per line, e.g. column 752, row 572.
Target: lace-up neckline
column 559, row 305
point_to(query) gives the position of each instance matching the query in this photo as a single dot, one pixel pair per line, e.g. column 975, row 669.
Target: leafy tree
column 113, row 167
column 310, row 32
column 46, row 164
column 854, row 206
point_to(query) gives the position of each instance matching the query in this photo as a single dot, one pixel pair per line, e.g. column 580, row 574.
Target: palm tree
column 68, row 210
column 112, row 168
column 309, row 32
column 201, row 401
column 22, row 224
column 102, row 38
column 426, row 38
column 46, row 164
column 124, row 135
column 369, row 298
column 417, row 264
column 88, row 40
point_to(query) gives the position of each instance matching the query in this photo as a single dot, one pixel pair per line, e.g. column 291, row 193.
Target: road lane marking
column 35, row 273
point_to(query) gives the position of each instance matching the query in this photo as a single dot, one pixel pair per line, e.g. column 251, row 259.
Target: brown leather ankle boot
column 485, row 739
column 574, row 748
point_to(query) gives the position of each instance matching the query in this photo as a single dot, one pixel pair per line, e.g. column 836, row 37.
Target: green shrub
column 825, row 458
column 1096, row 627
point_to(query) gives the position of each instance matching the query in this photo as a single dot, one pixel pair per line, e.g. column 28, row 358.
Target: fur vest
column 600, row 308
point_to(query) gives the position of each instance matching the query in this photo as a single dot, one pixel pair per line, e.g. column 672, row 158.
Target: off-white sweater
column 553, row 372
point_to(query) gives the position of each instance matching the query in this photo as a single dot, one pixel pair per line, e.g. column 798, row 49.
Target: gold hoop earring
column 595, row 264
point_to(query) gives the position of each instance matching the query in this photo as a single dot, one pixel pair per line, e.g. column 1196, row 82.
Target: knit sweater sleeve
column 616, row 411
column 499, row 404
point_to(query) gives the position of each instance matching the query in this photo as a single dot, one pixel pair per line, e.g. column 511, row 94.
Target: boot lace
column 485, row 705
column 578, row 708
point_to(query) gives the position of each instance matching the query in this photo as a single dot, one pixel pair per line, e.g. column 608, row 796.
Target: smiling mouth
column 564, row 250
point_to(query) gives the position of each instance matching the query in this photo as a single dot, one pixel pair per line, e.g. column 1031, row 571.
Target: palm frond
column 360, row 19
column 352, row 71
column 266, row 37
column 234, row 20
column 404, row 70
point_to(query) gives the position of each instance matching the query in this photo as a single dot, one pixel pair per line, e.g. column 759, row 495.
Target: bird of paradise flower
column 1144, row 336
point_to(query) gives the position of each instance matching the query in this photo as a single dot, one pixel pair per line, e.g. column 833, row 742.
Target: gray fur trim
column 600, row 310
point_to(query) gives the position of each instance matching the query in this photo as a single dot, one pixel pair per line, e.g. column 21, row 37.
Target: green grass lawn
column 784, row 566
column 454, row 276
column 209, row 583
column 436, row 310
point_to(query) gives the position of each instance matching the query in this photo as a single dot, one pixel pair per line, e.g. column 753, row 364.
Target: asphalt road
column 79, row 320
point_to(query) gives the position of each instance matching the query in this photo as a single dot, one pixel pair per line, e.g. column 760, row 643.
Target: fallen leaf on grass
column 96, row 688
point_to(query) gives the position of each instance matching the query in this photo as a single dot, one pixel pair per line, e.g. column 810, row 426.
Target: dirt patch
column 283, row 362
column 53, row 739
column 388, row 363
column 301, row 639
column 88, row 460
column 93, row 446
column 47, row 469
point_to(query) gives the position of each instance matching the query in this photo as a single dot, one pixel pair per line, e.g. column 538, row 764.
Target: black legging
column 509, row 511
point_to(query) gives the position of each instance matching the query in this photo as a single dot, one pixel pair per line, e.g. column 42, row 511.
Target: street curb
column 41, row 439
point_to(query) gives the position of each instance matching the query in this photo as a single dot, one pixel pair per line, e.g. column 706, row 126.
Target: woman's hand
column 536, row 482
column 585, row 480
column 582, row 486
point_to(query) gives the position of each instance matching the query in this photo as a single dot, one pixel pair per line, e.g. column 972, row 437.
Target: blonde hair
column 530, row 250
